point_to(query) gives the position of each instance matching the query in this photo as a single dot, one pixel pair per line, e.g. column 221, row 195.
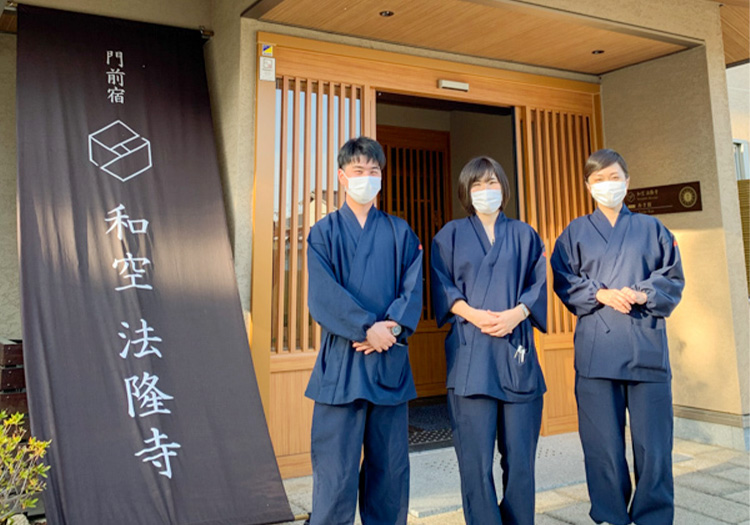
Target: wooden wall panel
column 290, row 414
column 427, row 357
column 419, row 76
column 555, row 145
column 559, row 402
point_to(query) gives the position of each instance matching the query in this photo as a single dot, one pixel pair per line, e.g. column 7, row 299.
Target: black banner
column 137, row 359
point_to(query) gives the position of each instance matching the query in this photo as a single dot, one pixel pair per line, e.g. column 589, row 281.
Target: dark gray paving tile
column 709, row 484
column 713, row 506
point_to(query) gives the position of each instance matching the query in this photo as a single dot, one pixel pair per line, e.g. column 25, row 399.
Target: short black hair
column 601, row 159
column 476, row 170
column 361, row 147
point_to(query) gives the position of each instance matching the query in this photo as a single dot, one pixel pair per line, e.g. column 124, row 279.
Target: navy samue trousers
column 478, row 422
column 601, row 424
column 339, row 433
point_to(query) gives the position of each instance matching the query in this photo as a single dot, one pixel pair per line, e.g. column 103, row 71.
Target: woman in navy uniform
column 489, row 282
column 620, row 274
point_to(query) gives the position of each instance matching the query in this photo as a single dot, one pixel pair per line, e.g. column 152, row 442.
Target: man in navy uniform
column 365, row 274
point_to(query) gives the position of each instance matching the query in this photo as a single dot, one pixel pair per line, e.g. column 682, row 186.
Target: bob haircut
column 481, row 169
column 361, row 147
column 601, row 159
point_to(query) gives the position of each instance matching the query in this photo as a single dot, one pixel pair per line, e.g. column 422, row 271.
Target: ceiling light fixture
column 386, row 14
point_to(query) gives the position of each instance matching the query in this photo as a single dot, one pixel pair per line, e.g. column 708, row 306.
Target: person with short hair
column 489, row 281
column 365, row 291
column 620, row 273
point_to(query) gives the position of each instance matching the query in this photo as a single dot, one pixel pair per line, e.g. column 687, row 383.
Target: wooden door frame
column 376, row 71
column 429, row 339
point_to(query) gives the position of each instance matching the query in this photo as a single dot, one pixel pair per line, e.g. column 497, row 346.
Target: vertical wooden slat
column 279, row 332
column 304, row 317
column 416, row 198
column 341, row 130
column 293, row 261
column 587, row 152
column 439, row 191
column 404, row 160
column 520, row 171
column 546, row 204
column 413, row 196
column 565, row 198
column 574, row 181
column 555, row 202
column 429, row 182
column 415, row 188
column 330, row 193
column 531, row 175
column 580, row 159
column 353, row 113
column 388, row 180
column 423, row 175
column 368, row 112
column 403, row 196
column 319, row 177
column 540, row 174
column 319, row 172
column 403, row 179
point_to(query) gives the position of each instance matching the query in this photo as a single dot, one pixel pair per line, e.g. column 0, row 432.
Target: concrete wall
column 738, row 87
column 660, row 116
column 230, row 64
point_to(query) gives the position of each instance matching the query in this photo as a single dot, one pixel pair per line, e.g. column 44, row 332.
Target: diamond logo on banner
column 118, row 150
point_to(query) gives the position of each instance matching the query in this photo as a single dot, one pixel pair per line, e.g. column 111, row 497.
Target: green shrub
column 22, row 472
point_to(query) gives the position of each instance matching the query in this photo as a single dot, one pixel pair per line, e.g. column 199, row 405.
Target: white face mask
column 487, row 201
column 609, row 193
column 363, row 189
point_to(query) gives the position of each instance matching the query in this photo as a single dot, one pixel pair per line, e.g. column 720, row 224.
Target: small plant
column 22, row 472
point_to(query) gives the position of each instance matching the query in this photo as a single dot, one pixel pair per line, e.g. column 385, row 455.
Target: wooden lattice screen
column 314, row 117
column 555, row 146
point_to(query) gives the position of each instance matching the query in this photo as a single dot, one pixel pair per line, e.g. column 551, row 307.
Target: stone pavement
column 712, row 486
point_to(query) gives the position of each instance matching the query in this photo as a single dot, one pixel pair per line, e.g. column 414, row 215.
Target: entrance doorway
column 427, row 143
column 324, row 94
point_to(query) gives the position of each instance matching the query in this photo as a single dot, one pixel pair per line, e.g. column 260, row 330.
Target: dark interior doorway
column 472, row 130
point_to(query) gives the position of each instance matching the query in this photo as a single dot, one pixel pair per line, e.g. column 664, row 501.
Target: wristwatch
column 396, row 330
column 525, row 310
